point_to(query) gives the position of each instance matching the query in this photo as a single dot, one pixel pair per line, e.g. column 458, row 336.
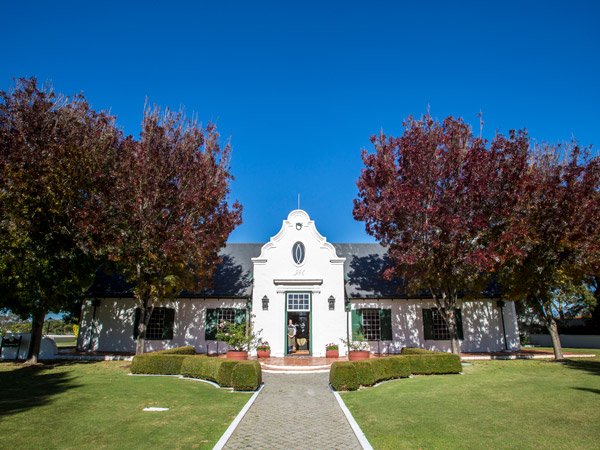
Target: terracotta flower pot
column 332, row 353
column 263, row 353
column 237, row 355
column 357, row 356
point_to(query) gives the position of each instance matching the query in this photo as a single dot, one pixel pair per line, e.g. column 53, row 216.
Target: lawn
column 97, row 405
column 518, row 404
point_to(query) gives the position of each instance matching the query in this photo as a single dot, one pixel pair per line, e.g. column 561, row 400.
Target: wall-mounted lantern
column 331, row 303
column 265, row 302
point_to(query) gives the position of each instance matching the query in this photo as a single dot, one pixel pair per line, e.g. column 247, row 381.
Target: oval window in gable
column 298, row 252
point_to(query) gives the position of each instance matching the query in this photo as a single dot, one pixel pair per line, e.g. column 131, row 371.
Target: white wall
column 275, row 273
column 482, row 326
column 113, row 329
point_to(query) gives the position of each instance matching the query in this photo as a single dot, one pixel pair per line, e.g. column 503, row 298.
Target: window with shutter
column 386, row 325
column 435, row 328
column 215, row 316
column 160, row 325
column 356, row 323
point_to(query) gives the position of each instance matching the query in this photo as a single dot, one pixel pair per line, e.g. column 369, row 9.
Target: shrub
column 400, row 366
column 343, row 377
column 384, row 369
column 420, row 351
column 158, row 364
column 246, row 376
column 189, row 350
column 241, row 375
column 200, row 366
column 364, row 372
column 349, row 375
column 434, row 364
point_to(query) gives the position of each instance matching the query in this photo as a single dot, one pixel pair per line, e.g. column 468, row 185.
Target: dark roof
column 233, row 277
column 364, row 265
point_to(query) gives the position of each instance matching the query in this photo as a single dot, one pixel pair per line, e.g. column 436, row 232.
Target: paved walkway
column 294, row 412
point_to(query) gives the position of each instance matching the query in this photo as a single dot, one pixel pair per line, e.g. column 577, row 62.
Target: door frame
column 310, row 326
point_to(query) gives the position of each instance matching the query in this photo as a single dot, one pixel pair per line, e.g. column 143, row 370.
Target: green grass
column 522, row 404
column 97, row 405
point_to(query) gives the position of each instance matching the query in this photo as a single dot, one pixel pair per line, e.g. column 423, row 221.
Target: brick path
column 294, row 412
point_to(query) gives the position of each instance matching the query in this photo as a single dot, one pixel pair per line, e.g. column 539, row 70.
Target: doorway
column 298, row 307
column 301, row 322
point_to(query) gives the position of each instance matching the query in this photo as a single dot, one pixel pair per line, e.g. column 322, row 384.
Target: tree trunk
column 446, row 308
column 146, row 312
column 37, row 325
column 553, row 330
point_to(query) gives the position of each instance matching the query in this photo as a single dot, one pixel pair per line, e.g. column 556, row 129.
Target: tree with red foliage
column 168, row 215
column 559, row 246
column 54, row 151
column 439, row 198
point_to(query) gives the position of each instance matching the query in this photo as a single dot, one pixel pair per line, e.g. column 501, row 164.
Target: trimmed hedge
column 189, row 350
column 433, row 364
column 241, row 375
column 420, row 351
column 158, row 364
column 343, row 377
column 350, row 375
column 246, row 376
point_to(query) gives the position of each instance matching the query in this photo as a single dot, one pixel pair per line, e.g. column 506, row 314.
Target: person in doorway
column 291, row 336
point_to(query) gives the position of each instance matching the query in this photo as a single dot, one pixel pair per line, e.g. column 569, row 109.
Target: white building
column 327, row 290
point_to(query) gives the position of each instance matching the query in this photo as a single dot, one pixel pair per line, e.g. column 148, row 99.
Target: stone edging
column 221, row 442
column 362, row 439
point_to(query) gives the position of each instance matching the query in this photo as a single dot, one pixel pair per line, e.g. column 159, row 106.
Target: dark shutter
column 459, row 326
column 240, row 316
column 356, row 323
column 428, row 323
column 136, row 322
column 210, row 332
column 168, row 324
column 385, row 318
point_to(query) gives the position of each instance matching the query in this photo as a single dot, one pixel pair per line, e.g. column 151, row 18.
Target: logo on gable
column 298, row 226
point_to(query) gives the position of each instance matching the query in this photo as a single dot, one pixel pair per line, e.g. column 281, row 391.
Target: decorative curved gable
column 298, row 220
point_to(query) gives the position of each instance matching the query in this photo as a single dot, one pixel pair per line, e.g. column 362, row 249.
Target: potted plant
column 238, row 338
column 263, row 349
column 358, row 348
column 332, row 350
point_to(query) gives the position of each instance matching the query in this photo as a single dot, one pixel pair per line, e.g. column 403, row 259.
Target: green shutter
column 168, row 325
column 210, row 332
column 459, row 326
column 385, row 318
column 240, row 316
column 428, row 324
column 136, row 322
column 356, row 323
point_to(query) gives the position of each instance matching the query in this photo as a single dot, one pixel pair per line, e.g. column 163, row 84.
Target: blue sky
column 298, row 87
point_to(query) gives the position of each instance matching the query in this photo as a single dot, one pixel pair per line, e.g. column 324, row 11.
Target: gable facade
column 328, row 291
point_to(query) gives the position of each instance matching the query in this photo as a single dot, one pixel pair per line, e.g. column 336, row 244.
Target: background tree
column 53, row 154
column 439, row 198
column 558, row 212
column 169, row 214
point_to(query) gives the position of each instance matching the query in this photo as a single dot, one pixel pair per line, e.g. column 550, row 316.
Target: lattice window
column 371, row 324
column 440, row 329
column 226, row 315
column 298, row 302
column 156, row 324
